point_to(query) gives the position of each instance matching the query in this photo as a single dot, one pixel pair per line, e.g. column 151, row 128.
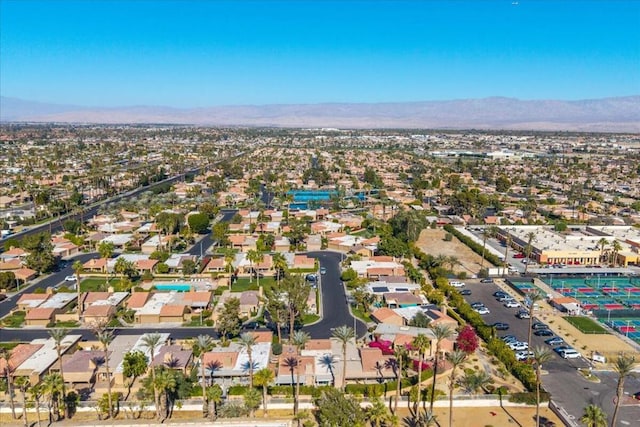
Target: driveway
column 335, row 309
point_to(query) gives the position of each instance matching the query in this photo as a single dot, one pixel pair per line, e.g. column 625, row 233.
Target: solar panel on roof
column 380, row 289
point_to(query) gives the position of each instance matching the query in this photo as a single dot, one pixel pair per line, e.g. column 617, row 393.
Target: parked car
column 512, row 304
column 518, row 256
column 482, row 310
column 71, row 278
column 465, row 292
column 477, row 304
column 457, row 284
column 506, row 338
column 554, row 341
column 311, row 277
column 499, row 294
column 543, row 333
column 323, row 270
column 539, row 325
column 488, row 280
column 523, row 355
column 505, row 297
column 523, row 314
column 501, row 326
column 561, row 349
column 518, row 346
column 570, row 354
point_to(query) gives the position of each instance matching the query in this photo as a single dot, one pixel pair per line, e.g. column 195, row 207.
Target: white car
column 512, row 304
column 519, row 346
column 457, row 284
column 523, row 355
column 570, row 354
column 70, row 279
column 482, row 310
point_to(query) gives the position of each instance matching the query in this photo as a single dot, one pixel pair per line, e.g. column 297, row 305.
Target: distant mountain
column 620, row 114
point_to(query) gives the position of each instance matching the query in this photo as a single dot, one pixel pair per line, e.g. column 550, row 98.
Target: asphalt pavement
column 335, row 309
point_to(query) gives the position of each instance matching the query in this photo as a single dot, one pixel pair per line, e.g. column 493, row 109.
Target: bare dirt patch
column 431, row 241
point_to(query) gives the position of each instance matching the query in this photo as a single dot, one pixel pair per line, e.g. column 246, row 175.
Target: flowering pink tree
column 467, row 340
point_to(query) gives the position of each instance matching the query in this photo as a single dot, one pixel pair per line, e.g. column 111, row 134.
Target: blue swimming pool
column 181, row 287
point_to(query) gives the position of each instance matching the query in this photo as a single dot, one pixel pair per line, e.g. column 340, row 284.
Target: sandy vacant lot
column 431, row 241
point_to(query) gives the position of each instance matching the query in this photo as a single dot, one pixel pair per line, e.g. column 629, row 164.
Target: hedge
column 528, row 397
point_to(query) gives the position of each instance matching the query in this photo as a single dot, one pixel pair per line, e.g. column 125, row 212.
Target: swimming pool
column 181, row 287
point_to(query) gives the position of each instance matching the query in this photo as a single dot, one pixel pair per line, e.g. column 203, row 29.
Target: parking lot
column 483, row 292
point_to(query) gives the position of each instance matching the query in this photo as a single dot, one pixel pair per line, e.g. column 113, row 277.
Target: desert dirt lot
column 431, row 241
column 462, row 417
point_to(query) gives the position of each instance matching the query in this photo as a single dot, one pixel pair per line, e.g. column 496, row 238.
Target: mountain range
column 619, row 114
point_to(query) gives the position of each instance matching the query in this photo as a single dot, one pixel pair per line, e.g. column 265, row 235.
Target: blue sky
column 206, row 53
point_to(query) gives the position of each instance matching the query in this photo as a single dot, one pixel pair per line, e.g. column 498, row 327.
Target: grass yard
column 15, row 320
column 361, row 314
column 310, row 318
column 98, row 284
column 586, row 325
column 243, row 284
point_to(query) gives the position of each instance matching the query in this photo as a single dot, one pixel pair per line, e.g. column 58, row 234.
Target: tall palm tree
column 299, row 339
column 602, row 243
column 594, row 416
column 204, row 343
column 456, row 358
column 623, row 367
column 229, row 257
column 252, row 257
column 292, row 363
column 399, row 352
column 36, row 394
column 474, row 381
column 214, row 397
column 8, row 374
column 420, row 343
column 441, row 332
column 344, row 334
column 53, row 386
column 264, row 377
column 540, row 355
column 164, row 382
column 533, row 297
column 152, row 342
column 78, row 269
column 486, row 233
column 105, row 337
column 377, row 413
column 247, row 341
column 507, row 244
column 58, row 335
column 530, row 238
column 280, row 265
column 23, row 385
column 616, row 247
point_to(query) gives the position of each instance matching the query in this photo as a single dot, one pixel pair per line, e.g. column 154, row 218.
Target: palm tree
column 594, row 416
column 252, row 400
column 280, row 265
column 474, row 381
column 399, row 352
column 507, row 244
column 344, row 334
column 105, row 337
column 58, row 335
column 164, row 382
column 533, row 297
column 214, row 397
column 247, row 341
column 292, row 363
column 623, row 367
column 486, row 233
column 8, row 373
column 377, row 413
column 36, row 394
column 328, row 361
column 530, row 238
column 252, row 257
column 204, row 343
column 540, row 355
column 229, row 257
column 456, row 358
column 616, row 248
column 299, row 339
column 53, row 386
column 23, row 385
column 264, row 377
column 602, row 243
column 441, row 332
column 152, row 342
column 420, row 343
column 78, row 269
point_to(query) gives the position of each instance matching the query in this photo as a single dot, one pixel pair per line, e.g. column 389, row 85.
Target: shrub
column 528, row 398
column 276, row 348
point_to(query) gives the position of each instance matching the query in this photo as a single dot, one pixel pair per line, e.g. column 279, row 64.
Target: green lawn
column 67, row 324
column 361, row 314
column 586, row 325
column 15, row 320
column 243, row 284
column 99, row 284
column 310, row 318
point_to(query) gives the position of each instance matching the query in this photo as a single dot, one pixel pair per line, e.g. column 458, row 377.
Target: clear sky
column 207, row 53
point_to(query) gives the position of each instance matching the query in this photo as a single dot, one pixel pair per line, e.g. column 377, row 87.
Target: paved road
column 27, row 334
column 334, row 301
column 201, row 246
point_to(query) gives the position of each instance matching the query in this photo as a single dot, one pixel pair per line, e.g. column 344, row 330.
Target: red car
column 519, row 256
